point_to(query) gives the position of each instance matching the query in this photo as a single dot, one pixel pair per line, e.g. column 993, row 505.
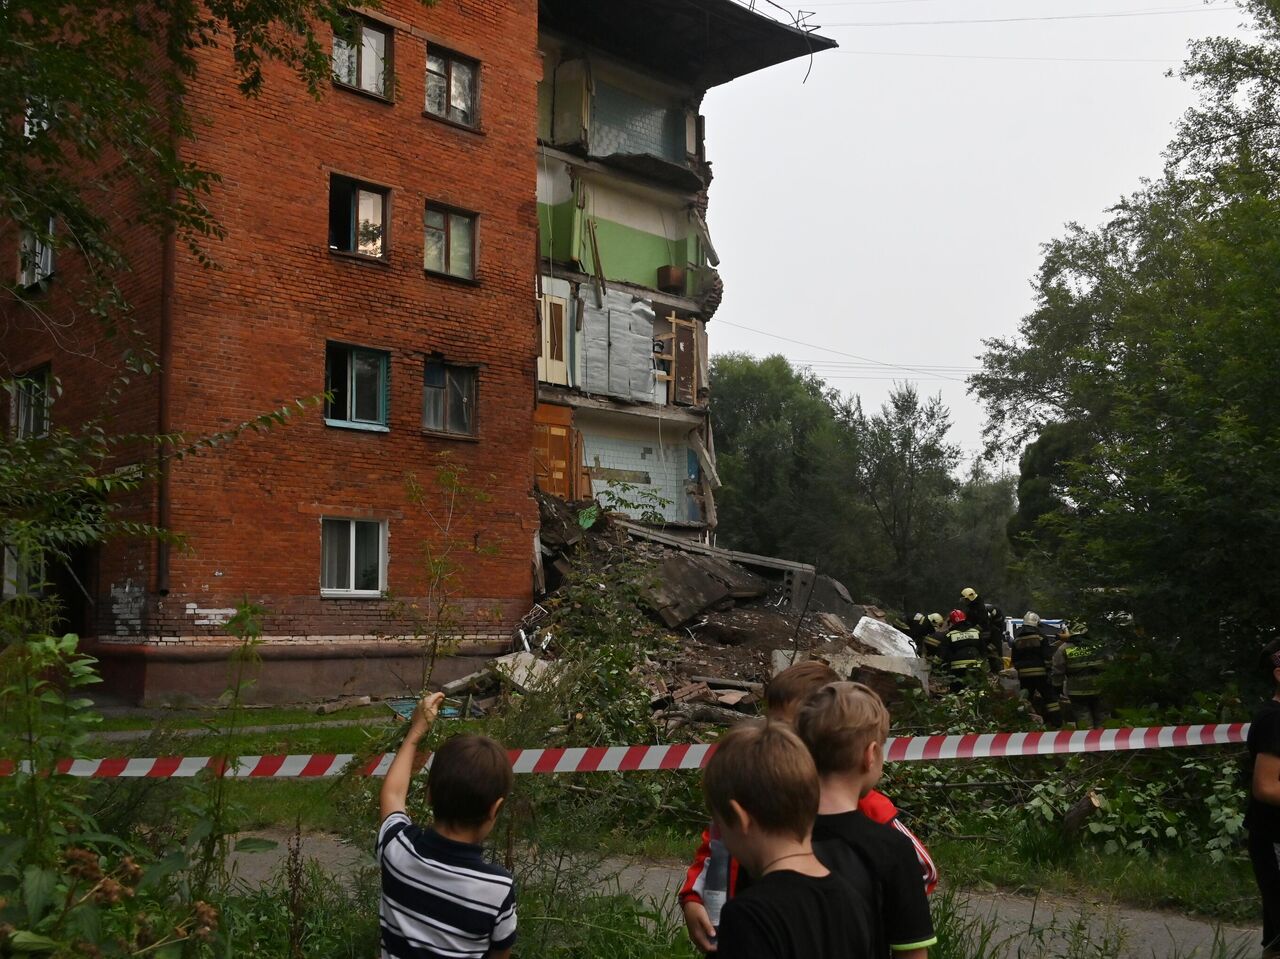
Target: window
column 449, row 398
column 357, row 217
column 357, row 380
column 29, row 404
column 35, row 256
column 353, row 557
column 451, row 88
column 450, row 243
column 364, row 62
column 22, row 575
column 35, row 117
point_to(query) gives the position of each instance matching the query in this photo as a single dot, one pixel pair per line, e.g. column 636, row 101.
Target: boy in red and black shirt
column 783, row 697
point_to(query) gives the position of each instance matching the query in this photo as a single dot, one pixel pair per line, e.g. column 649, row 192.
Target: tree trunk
column 1079, row 814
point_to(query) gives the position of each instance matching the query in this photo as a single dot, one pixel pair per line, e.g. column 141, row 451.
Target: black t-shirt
column 787, row 915
column 1261, row 818
column 867, row 852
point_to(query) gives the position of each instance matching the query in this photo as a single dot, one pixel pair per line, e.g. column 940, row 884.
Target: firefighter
column 995, row 638
column 919, row 629
column 978, row 614
column 937, row 633
column 962, row 650
column 1033, row 658
column 1077, row 668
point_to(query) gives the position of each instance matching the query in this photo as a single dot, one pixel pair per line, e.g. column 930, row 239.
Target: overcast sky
column 893, row 205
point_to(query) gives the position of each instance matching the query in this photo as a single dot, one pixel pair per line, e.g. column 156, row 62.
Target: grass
column 1183, row 881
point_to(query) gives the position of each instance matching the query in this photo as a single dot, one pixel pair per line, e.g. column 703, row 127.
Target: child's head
column 760, row 783
column 795, row 684
column 845, row 726
column 470, row 776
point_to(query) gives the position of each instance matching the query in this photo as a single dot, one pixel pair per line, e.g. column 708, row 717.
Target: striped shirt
column 440, row 899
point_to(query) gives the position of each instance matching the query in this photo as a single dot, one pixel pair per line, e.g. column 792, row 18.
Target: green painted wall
column 629, row 255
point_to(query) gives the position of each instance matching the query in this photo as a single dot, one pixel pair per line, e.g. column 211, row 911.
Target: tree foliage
column 872, row 500
column 1147, row 370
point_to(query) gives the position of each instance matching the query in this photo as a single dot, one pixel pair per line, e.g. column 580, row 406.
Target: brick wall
column 250, row 336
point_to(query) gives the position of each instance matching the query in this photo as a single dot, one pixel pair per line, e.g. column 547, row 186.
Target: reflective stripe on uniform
column 1036, row 671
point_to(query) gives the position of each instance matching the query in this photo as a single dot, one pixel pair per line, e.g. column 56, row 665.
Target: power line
column 979, row 56
column 1063, row 16
column 828, row 349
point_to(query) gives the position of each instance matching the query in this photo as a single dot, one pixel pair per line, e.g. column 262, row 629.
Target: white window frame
column 332, row 593
column 35, row 258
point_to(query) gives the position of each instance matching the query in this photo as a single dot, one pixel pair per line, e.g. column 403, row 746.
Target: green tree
column 905, row 475
column 1154, row 336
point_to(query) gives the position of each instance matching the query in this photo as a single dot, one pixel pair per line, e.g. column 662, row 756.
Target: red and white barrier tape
column 647, row 758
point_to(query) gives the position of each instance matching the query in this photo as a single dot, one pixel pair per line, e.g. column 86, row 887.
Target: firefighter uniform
column 963, row 653
column 1077, row 667
column 978, row 615
column 933, row 641
column 1032, row 658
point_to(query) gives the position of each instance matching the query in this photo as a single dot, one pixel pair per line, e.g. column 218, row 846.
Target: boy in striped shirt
column 440, row 899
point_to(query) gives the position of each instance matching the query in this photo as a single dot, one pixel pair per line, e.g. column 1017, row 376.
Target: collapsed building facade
column 628, row 281
column 383, row 246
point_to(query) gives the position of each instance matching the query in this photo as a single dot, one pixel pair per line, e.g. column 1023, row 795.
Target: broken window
column 357, row 217
column 362, row 60
column 35, row 256
column 448, row 398
column 29, row 404
column 357, row 381
column 553, row 366
column 451, row 87
column 449, row 242
column 353, row 557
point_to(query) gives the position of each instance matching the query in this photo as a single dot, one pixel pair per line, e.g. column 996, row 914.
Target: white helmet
column 1031, row 619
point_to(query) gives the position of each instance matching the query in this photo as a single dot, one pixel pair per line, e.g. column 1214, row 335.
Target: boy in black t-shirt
column 1262, row 818
column 762, row 788
column 845, row 725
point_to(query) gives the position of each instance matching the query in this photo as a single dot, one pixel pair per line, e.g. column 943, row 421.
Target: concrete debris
column 734, row 619
column 524, row 671
column 883, row 638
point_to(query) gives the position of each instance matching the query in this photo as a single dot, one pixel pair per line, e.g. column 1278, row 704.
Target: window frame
column 447, row 211
column 37, row 271
column 451, row 57
column 356, row 185
column 388, row 62
column 20, row 399
column 473, row 370
column 383, row 425
column 331, row 592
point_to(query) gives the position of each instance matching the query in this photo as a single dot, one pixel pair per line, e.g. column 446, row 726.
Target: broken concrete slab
column 883, row 638
column 683, row 590
column 522, row 670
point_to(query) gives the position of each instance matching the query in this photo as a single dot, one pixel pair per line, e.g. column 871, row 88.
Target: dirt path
column 1011, row 919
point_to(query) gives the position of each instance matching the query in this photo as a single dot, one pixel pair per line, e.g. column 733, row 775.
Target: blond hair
column 839, row 722
column 795, row 684
column 767, row 770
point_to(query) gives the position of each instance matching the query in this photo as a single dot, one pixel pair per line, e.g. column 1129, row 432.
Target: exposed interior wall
column 650, row 455
column 638, row 230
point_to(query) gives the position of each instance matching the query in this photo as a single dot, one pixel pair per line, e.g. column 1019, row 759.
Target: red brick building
column 381, row 243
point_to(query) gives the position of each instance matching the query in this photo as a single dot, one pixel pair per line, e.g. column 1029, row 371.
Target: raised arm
column 395, row 788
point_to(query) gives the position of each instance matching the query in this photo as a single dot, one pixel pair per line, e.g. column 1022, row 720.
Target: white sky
column 893, row 206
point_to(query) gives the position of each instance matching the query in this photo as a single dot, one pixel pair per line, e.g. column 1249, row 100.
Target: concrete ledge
column 192, row 672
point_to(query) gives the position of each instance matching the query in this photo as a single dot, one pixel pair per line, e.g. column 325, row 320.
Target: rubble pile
column 733, row 619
